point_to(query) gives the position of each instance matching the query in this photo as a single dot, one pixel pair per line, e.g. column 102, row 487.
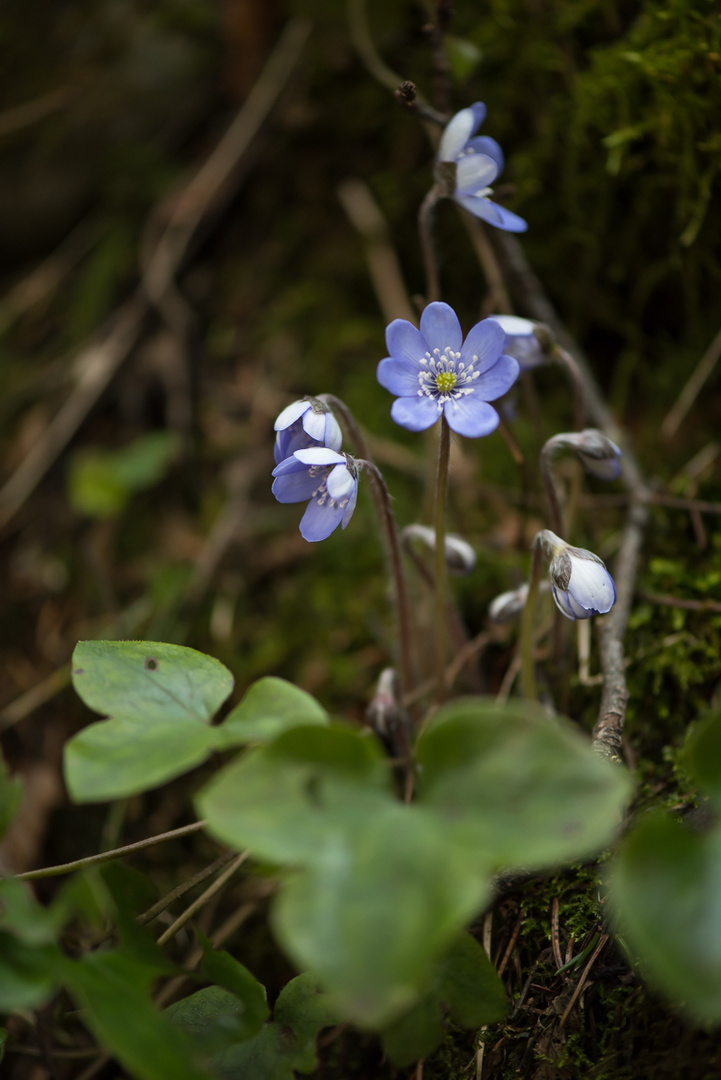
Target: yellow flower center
column 445, row 381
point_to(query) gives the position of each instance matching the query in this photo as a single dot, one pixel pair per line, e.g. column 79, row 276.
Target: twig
column 555, row 935
column 677, row 602
column 107, row 856
column 582, row 981
column 96, row 366
column 691, row 390
column 383, row 265
column 203, row 899
column 184, row 887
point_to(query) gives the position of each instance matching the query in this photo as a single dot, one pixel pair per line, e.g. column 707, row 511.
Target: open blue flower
column 304, row 424
column 581, row 584
column 466, row 165
column 433, row 371
column 327, row 479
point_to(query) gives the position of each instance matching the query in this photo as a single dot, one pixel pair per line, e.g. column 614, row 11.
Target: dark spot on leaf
column 151, row 664
column 79, row 671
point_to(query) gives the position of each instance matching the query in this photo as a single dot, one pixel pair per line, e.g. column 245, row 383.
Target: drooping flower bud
column 460, row 556
column 580, row 582
column 303, row 424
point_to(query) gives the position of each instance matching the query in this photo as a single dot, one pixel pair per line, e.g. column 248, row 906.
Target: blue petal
column 457, row 133
column 398, row 376
column 415, row 413
column 566, row 606
column 492, row 213
column 340, row 482
column 348, row 512
column 290, row 414
column 474, row 173
column 498, row 380
column 482, row 144
column 319, row 455
column 318, row 522
column 479, row 111
column 404, row 342
column 470, row 416
column 591, row 586
column 440, row 327
column 484, row 345
column 297, row 487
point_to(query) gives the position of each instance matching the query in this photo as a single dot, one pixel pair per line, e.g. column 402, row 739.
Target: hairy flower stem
column 528, row 679
column 430, row 263
column 552, row 490
column 382, row 499
column 441, row 627
column 564, row 358
column 340, row 408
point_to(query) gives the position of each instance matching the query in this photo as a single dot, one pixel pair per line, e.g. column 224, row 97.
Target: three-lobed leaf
column 159, row 700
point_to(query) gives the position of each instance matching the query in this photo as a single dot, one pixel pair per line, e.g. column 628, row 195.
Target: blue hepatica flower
column 328, row 480
column 581, row 584
column 304, row 424
column 433, row 371
column 466, row 165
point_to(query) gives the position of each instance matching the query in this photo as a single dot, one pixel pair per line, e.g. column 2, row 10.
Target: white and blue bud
column 305, row 424
column 580, row 583
column 597, row 453
column 460, row 556
column 527, row 341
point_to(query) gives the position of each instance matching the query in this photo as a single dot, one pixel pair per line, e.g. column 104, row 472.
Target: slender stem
column 107, row 856
column 433, row 285
column 338, row 406
column 203, row 899
column 384, row 508
column 184, row 887
column 528, row 678
column 444, row 453
column 551, row 486
column 567, row 362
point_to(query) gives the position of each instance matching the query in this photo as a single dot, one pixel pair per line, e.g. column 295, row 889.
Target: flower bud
column 460, row 556
column 580, row 582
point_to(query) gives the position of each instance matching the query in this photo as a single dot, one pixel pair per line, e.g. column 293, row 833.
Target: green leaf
column 22, row 915
column 416, row 1034
column 159, row 699
column 665, row 891
column 213, row 1016
column 101, row 482
column 269, row 1055
column 149, row 682
column 465, row 985
column 284, row 801
column 270, row 707
column 111, row 988
column 11, row 793
column 28, row 973
column 232, row 976
column 469, row 986
column 701, row 755
column 463, row 57
column 304, row 1008
column 376, row 908
column 517, row 787
column 116, row 758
